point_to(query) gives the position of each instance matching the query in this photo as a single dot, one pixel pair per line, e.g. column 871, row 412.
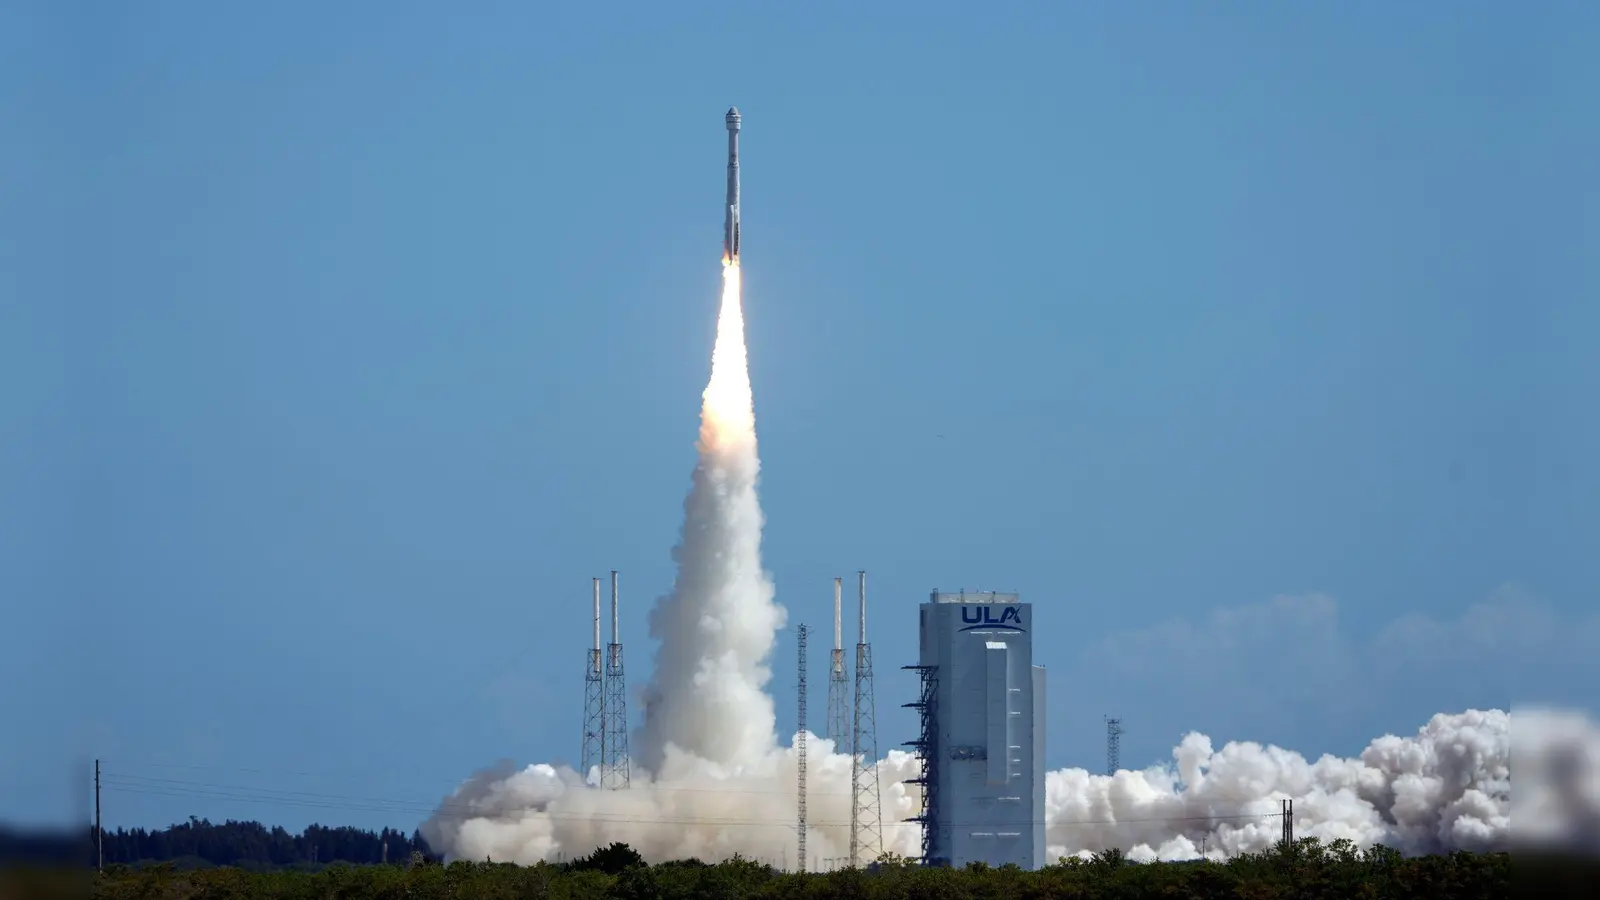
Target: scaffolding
column 926, row 747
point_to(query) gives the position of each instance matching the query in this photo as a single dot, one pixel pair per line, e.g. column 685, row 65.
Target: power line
column 467, row 811
column 655, row 789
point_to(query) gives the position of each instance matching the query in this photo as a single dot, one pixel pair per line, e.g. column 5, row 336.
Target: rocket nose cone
column 733, row 112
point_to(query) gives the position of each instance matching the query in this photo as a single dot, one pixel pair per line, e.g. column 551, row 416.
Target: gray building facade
column 982, row 738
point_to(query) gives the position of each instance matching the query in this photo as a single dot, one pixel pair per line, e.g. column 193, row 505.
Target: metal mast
column 594, row 701
column 1113, row 745
column 614, row 773
column 800, row 745
column 838, row 681
column 866, row 828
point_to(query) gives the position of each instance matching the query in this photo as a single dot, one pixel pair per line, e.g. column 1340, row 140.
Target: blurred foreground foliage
column 1306, row 869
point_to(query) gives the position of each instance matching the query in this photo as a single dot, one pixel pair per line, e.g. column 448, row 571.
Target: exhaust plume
column 716, row 629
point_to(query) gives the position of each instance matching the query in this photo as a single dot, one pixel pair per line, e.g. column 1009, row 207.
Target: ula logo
column 983, row 617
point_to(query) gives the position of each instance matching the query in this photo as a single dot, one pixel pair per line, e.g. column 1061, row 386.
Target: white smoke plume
column 694, row 809
column 1446, row 788
column 717, row 627
column 711, row 780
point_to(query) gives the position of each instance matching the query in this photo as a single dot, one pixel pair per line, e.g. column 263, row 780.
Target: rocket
column 730, row 221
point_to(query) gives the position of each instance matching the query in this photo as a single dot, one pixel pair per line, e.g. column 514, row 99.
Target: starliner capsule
column 730, row 222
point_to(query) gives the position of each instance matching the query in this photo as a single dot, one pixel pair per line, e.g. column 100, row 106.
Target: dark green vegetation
column 1306, row 869
column 252, row 845
column 199, row 843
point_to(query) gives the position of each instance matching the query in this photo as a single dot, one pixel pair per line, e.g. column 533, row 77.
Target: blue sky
column 343, row 344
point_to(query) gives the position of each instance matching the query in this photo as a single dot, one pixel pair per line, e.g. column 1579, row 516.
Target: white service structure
column 982, row 741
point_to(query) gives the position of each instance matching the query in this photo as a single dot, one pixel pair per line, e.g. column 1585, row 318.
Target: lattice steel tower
column 594, row 700
column 1113, row 745
column 838, row 681
column 614, row 749
column 800, row 744
column 866, row 808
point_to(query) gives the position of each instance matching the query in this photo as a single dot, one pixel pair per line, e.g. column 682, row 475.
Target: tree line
column 246, row 860
column 1304, row 869
column 198, row 843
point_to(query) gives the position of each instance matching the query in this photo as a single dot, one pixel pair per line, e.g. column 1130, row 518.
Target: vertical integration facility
column 982, row 740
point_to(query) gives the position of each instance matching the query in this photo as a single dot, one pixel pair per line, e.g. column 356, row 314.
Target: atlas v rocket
column 730, row 222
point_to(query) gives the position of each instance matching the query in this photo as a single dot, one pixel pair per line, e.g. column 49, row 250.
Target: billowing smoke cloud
column 1447, row 787
column 711, row 780
column 696, row 809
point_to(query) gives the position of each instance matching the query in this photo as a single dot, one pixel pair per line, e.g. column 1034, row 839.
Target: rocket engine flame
column 727, row 413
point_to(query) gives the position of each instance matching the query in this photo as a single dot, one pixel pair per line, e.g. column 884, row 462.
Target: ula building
column 982, row 738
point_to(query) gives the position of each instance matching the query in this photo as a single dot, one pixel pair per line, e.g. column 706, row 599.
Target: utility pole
column 99, row 832
column 800, row 747
column 1287, row 807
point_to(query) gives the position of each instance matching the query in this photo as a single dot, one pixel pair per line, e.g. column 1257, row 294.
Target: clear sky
column 342, row 344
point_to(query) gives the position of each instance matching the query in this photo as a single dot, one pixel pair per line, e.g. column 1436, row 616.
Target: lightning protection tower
column 800, row 744
column 614, row 751
column 866, row 809
column 1113, row 745
column 838, row 681
column 594, row 700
